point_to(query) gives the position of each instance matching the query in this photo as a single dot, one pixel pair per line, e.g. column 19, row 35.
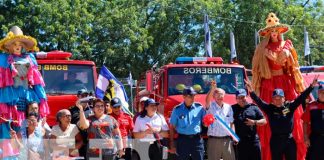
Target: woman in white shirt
column 151, row 126
column 65, row 137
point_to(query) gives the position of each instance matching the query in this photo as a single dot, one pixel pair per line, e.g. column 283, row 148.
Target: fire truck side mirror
column 149, row 81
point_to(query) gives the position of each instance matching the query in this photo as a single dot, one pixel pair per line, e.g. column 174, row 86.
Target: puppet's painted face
column 16, row 48
column 274, row 34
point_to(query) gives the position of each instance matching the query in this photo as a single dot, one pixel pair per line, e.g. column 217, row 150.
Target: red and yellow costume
column 275, row 65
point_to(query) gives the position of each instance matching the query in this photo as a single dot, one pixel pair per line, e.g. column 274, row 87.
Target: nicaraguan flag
column 227, row 128
column 208, row 48
column 105, row 79
column 102, row 82
column 256, row 38
column 306, row 42
column 232, row 43
column 130, row 79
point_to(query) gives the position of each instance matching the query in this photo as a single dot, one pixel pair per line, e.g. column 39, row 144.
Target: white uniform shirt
column 226, row 113
column 157, row 122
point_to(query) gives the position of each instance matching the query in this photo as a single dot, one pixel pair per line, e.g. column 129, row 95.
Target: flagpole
column 130, row 82
column 131, row 92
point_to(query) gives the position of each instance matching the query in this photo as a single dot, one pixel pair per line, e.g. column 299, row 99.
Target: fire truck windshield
column 227, row 78
column 67, row 79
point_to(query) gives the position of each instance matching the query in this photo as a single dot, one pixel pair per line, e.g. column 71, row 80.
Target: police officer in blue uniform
column 186, row 120
column 314, row 117
column 280, row 115
column 246, row 117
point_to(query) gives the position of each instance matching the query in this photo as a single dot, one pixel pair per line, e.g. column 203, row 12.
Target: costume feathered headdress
column 16, row 34
column 272, row 22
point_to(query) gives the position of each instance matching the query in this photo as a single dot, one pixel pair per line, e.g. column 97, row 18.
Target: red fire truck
column 309, row 72
column 63, row 78
column 165, row 84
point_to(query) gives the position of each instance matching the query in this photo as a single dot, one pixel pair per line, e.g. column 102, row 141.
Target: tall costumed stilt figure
column 275, row 65
column 20, row 83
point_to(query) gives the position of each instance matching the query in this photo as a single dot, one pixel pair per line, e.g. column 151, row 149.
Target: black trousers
column 316, row 149
column 249, row 149
column 283, row 146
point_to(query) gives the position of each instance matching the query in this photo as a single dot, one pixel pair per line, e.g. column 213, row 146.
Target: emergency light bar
column 200, row 60
column 311, row 68
column 53, row 55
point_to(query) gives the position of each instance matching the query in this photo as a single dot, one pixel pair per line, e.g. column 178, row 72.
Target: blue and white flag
column 306, row 42
column 208, row 48
column 256, row 38
column 232, row 43
column 227, row 128
column 105, row 79
column 130, row 79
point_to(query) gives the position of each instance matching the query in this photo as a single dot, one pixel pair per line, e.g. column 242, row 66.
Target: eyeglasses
column 99, row 106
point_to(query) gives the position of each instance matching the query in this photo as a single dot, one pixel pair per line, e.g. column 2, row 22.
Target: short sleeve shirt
column 102, row 129
column 314, row 115
column 250, row 111
column 157, row 121
column 226, row 113
column 188, row 120
column 125, row 122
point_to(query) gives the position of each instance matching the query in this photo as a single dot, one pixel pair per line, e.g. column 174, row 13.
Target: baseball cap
column 115, row 102
column 150, row 101
column 278, row 92
column 83, row 91
column 189, row 91
column 240, row 92
column 144, row 99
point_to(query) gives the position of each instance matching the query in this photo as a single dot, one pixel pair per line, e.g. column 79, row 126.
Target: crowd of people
column 87, row 130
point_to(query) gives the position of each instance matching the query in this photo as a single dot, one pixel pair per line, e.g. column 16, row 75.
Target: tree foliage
column 133, row 35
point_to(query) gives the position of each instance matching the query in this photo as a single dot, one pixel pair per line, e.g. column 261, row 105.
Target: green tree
column 133, row 35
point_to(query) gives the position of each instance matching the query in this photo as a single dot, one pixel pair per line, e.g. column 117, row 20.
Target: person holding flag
column 151, row 127
column 220, row 144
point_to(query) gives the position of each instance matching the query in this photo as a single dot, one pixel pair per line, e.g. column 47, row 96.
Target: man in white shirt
column 220, row 144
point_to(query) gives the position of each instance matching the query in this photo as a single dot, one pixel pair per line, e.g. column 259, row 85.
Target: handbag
column 157, row 151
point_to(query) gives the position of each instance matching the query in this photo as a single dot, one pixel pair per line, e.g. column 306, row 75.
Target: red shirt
column 314, row 115
column 314, row 106
column 125, row 122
